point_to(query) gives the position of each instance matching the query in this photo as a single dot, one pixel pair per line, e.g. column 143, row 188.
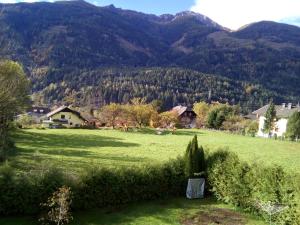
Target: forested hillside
column 67, row 49
column 169, row 85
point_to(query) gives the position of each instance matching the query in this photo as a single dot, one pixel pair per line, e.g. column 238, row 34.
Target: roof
column 63, row 108
column 59, row 109
column 180, row 109
column 39, row 110
column 250, row 116
column 283, row 112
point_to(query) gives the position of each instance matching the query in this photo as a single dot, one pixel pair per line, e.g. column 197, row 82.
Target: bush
column 99, row 188
column 23, row 194
column 293, row 126
column 25, row 121
column 58, row 207
column 251, row 128
column 106, row 187
column 244, row 185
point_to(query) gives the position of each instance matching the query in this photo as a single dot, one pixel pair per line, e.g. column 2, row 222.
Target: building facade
column 283, row 112
column 64, row 117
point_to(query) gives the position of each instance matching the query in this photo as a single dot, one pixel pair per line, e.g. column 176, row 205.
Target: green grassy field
column 165, row 212
column 75, row 150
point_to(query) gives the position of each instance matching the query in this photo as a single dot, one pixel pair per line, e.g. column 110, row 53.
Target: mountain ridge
column 52, row 40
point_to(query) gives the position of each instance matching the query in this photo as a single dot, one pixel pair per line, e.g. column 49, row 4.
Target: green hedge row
column 97, row 188
column 229, row 179
column 247, row 186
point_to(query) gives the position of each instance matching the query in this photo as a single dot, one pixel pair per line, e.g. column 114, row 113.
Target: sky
column 229, row 13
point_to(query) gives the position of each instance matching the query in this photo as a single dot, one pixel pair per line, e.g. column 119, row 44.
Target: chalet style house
column 283, row 112
column 186, row 116
column 64, row 117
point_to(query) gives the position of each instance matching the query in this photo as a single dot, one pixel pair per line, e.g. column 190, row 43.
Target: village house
column 37, row 113
column 283, row 112
column 186, row 116
column 64, row 117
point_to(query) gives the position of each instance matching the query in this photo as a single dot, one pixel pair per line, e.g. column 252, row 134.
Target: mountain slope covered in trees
column 62, row 43
column 170, row 86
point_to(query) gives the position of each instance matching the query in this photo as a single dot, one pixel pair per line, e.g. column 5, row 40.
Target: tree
column 270, row 118
column 194, row 159
column 110, row 113
column 293, row 126
column 140, row 112
column 218, row 114
column 14, row 99
column 201, row 109
column 25, row 120
column 251, row 128
column 168, row 119
column 59, row 207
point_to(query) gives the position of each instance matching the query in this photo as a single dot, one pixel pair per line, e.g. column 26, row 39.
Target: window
column 62, row 116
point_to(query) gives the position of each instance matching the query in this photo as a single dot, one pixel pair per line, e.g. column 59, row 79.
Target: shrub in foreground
column 245, row 186
column 106, row 187
column 22, row 195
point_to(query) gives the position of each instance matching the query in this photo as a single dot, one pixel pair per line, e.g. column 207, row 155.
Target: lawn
column 75, row 149
column 175, row 211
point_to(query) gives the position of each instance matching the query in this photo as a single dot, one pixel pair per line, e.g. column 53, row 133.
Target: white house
column 283, row 112
column 64, row 117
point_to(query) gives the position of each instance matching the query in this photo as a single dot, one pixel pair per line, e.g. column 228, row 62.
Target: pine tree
column 270, row 118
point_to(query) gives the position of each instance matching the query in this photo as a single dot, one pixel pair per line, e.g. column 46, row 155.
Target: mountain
column 65, row 42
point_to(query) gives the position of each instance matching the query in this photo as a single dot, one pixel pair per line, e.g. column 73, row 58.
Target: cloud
column 8, row 1
column 236, row 13
column 291, row 20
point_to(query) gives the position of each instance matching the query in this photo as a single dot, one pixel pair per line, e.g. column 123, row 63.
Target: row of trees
column 137, row 113
column 223, row 116
column 14, row 98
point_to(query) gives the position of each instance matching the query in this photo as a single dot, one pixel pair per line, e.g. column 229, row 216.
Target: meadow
column 76, row 150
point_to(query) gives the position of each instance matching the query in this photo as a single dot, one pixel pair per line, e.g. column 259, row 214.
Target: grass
column 163, row 212
column 76, row 150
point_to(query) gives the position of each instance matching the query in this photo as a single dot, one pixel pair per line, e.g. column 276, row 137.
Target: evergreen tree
column 188, row 161
column 270, row 118
column 293, row 126
column 195, row 159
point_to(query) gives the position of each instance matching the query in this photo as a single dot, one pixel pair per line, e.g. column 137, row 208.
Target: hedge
column 229, row 180
column 245, row 186
column 22, row 195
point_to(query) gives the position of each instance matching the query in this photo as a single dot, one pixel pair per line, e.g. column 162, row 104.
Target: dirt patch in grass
column 215, row 216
